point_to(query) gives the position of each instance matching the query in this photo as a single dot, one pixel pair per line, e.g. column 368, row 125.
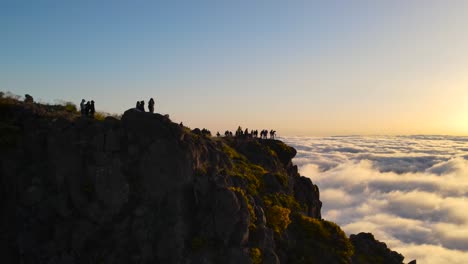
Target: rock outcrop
column 368, row 251
column 146, row 190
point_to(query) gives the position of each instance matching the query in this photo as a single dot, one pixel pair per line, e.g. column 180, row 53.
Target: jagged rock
column 308, row 193
column 226, row 213
column 369, row 250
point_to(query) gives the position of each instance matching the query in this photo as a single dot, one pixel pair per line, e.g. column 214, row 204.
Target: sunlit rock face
column 146, row 190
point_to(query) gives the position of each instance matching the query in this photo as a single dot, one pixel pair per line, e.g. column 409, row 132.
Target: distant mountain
column 146, row 190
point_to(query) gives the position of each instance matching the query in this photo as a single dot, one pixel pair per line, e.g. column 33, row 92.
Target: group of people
column 252, row 134
column 264, row 134
column 87, row 108
column 140, row 105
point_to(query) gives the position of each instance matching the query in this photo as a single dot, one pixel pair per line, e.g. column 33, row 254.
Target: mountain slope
column 146, row 190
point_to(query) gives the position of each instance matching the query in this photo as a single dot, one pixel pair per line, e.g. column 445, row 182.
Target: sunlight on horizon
column 308, row 68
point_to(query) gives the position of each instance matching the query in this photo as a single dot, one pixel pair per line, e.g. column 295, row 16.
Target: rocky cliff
column 146, row 190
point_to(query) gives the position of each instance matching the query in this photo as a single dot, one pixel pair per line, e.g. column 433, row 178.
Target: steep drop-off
column 146, row 190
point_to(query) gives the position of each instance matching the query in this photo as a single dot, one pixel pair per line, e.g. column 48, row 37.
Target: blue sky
column 301, row 67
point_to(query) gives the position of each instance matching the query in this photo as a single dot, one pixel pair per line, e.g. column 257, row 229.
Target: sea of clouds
column 409, row 191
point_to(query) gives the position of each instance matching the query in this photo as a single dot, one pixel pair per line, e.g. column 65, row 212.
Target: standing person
column 83, row 107
column 87, row 108
column 138, row 105
column 151, row 105
column 92, row 110
column 142, row 106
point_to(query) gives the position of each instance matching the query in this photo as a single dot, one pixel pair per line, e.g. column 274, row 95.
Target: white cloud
column 431, row 254
column 337, row 197
column 409, row 191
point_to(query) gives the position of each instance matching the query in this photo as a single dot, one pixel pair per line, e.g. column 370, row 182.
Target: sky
column 300, row 67
column 408, row 191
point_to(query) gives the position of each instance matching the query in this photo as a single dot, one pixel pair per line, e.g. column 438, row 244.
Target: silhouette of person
column 218, row 134
column 151, row 105
column 142, row 106
column 246, row 133
column 87, row 108
column 83, row 107
column 92, row 110
column 138, row 105
column 239, row 131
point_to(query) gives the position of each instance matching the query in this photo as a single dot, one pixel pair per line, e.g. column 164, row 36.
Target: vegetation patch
column 100, row 116
column 319, row 241
column 232, row 153
column 278, row 218
column 242, row 168
column 283, row 200
column 70, row 107
column 282, row 179
column 284, row 152
column 256, row 255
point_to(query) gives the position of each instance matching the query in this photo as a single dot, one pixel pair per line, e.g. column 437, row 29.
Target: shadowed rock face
column 368, row 250
column 145, row 190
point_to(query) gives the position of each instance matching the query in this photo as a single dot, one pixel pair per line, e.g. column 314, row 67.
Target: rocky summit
column 143, row 189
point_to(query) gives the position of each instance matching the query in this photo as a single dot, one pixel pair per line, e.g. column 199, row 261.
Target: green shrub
column 244, row 169
column 231, row 153
column 278, row 218
column 70, row 107
column 282, row 179
column 318, row 241
column 283, row 200
column 100, row 116
column 256, row 255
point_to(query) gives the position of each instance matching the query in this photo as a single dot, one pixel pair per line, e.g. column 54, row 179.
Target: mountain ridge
column 146, row 190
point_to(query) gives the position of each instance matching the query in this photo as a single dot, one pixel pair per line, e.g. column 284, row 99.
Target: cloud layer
column 410, row 191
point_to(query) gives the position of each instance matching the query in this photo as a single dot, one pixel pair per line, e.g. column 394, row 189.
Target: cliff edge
column 146, row 190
